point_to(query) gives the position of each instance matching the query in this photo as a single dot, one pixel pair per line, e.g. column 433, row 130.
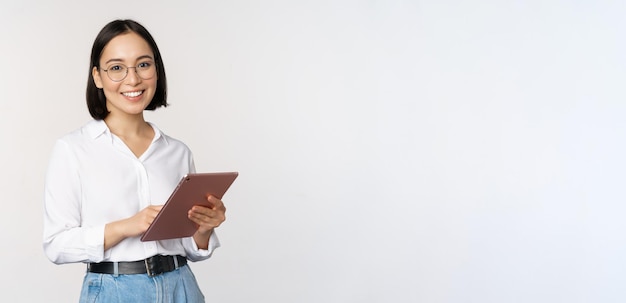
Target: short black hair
column 96, row 101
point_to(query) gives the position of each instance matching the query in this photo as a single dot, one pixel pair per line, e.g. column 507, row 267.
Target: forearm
column 114, row 233
column 202, row 239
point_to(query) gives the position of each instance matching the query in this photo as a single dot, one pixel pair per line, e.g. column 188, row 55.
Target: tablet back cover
column 193, row 189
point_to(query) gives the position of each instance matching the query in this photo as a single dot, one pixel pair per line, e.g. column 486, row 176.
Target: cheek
column 110, row 90
column 153, row 87
column 154, row 83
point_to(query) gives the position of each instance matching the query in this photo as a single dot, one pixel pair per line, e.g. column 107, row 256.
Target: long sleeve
column 65, row 240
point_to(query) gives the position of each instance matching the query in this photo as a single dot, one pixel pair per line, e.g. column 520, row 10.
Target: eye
column 116, row 68
column 144, row 65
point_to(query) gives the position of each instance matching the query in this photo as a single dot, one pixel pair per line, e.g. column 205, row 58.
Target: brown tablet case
column 193, row 189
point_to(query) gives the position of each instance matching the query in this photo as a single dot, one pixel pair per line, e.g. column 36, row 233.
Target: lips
column 133, row 94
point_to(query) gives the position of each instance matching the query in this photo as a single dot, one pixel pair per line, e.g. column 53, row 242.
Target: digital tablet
column 193, row 189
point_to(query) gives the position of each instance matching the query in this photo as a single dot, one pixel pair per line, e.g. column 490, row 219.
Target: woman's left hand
column 207, row 219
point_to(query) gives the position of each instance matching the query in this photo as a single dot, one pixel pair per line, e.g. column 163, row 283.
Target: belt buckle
column 153, row 266
column 148, row 269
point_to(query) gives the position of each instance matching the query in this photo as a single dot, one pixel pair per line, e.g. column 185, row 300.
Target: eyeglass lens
column 118, row 72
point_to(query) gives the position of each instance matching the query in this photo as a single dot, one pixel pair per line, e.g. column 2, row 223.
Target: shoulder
column 67, row 148
column 87, row 132
column 170, row 141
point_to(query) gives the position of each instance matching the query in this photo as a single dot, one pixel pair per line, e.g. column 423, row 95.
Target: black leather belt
column 152, row 266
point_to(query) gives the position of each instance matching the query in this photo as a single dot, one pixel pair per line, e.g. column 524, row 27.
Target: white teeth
column 132, row 94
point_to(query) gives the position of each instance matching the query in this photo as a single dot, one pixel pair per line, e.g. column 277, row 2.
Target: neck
column 127, row 126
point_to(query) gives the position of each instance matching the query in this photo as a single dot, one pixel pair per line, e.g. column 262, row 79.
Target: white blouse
column 93, row 179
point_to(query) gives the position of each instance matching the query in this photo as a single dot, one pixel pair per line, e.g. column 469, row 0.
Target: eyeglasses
column 118, row 72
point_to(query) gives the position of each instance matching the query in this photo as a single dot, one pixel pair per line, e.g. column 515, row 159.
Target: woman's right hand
column 134, row 226
column 139, row 223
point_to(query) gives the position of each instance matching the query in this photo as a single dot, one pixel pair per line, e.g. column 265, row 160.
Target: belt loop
column 116, row 269
column 175, row 262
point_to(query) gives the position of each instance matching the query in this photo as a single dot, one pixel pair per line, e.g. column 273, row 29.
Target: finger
column 195, row 219
column 206, row 215
column 200, row 214
column 201, row 210
column 206, row 223
column 217, row 203
column 154, row 209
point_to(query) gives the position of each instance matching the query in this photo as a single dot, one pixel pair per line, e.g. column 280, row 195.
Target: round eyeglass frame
column 126, row 68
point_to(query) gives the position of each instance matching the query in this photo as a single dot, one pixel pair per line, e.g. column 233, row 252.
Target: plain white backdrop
column 389, row 151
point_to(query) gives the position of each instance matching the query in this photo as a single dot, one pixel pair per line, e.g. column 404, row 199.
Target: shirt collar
column 158, row 135
column 97, row 128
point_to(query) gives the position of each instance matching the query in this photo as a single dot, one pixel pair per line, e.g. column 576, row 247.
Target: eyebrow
column 120, row 60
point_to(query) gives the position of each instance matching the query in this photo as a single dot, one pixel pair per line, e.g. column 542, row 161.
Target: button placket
column 144, row 199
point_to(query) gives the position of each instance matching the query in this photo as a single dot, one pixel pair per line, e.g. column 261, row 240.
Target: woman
column 107, row 181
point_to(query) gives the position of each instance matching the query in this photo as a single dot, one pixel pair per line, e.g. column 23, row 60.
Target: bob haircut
column 96, row 101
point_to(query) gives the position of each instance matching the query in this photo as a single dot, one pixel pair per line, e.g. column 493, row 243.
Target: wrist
column 202, row 238
column 204, row 234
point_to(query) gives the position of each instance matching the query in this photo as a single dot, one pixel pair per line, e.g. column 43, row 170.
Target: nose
column 132, row 77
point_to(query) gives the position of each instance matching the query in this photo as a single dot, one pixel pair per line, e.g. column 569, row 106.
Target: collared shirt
column 93, row 178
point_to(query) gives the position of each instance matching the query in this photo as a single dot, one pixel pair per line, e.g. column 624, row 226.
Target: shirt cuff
column 94, row 243
column 196, row 254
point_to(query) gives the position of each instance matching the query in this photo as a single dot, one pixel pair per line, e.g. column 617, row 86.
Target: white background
column 389, row 151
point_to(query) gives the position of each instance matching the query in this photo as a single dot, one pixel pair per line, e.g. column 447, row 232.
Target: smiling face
column 130, row 96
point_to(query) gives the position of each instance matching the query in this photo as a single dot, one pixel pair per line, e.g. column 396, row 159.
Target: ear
column 97, row 79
